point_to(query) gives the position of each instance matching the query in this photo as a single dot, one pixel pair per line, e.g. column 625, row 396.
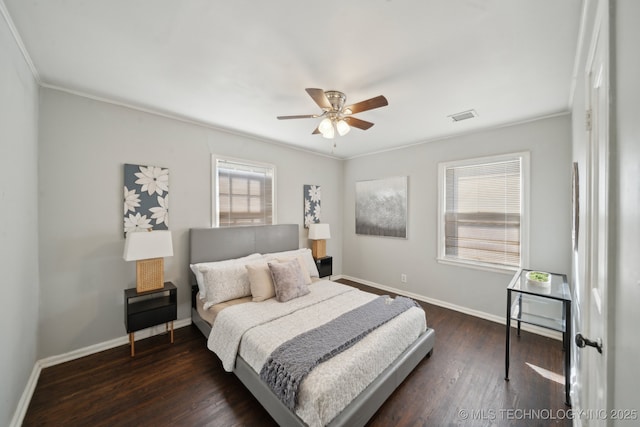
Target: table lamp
column 319, row 233
column 148, row 249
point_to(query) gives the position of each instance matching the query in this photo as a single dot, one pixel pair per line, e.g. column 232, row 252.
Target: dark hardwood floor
column 462, row 383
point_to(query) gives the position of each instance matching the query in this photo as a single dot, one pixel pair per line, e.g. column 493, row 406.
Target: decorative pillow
column 225, row 283
column 260, row 282
column 195, row 268
column 309, row 262
column 288, row 280
column 303, row 267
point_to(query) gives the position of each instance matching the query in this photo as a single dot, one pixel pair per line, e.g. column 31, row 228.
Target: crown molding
column 16, row 36
column 173, row 116
column 465, row 133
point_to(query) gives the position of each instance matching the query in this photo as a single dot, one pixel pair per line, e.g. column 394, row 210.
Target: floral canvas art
column 312, row 209
column 146, row 198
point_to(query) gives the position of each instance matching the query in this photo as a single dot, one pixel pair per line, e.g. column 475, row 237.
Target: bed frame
column 216, row 244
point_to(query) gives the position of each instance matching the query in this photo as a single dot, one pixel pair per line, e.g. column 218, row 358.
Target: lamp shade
column 319, row 232
column 147, row 245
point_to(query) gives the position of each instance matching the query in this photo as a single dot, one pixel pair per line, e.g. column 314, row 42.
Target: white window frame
column 525, row 176
column 215, row 211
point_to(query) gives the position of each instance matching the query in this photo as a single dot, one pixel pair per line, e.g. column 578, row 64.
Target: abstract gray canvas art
column 146, row 198
column 312, row 210
column 381, row 207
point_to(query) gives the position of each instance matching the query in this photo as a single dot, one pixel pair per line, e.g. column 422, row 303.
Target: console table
column 522, row 298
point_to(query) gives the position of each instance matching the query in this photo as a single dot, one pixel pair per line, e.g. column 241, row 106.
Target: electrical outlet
column 403, row 278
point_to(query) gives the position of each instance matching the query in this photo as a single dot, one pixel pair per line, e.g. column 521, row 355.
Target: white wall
column 18, row 222
column 625, row 205
column 84, row 144
column 382, row 260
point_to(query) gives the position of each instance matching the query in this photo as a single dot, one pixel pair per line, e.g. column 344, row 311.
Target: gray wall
column 18, row 222
column 83, row 146
column 383, row 260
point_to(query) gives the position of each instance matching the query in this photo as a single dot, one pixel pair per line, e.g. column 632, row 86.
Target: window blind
column 244, row 193
column 482, row 212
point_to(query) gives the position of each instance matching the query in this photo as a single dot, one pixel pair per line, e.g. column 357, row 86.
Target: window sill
column 478, row 266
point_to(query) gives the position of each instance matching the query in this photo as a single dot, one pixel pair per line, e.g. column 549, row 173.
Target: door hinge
column 588, row 120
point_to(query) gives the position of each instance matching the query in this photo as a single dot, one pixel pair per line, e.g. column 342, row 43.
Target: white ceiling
column 238, row 64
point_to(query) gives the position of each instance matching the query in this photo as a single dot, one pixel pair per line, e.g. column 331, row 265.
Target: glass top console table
column 544, row 306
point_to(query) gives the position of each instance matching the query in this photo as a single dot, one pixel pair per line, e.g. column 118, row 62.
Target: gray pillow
column 288, row 280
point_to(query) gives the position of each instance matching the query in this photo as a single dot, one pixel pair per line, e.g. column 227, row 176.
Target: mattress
column 253, row 330
column 209, row 315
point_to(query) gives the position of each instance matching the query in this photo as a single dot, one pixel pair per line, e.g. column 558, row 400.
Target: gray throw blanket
column 290, row 363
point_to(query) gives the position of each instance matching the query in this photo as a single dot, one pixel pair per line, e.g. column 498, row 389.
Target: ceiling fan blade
column 319, row 97
column 315, row 132
column 303, row 116
column 357, row 123
column 369, row 104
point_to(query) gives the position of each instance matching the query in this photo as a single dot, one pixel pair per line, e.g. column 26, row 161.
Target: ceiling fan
column 338, row 117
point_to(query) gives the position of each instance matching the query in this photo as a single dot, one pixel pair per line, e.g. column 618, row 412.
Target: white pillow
column 310, row 263
column 225, row 283
column 195, row 268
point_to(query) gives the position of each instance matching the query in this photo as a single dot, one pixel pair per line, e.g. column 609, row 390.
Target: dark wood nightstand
column 325, row 266
column 145, row 309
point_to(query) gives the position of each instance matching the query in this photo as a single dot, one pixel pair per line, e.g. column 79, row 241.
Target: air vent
column 469, row 114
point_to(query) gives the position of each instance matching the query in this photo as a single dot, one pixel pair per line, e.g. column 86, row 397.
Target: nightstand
column 325, row 266
column 145, row 309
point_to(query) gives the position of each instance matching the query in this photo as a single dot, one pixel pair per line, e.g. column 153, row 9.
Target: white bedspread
column 254, row 330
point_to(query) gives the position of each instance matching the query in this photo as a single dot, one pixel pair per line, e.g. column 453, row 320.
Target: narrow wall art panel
column 312, row 210
column 146, row 198
column 381, row 207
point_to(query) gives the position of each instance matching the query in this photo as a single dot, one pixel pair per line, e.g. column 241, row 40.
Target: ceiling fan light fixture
column 325, row 125
column 342, row 127
column 330, row 133
column 326, row 128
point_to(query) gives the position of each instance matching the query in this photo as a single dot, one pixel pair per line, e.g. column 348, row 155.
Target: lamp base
column 319, row 248
column 149, row 274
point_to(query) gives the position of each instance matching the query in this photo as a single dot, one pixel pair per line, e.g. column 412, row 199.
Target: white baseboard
column 27, row 394
column 106, row 345
column 480, row 314
column 25, row 399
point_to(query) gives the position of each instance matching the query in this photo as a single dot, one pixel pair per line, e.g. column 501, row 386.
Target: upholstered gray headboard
column 216, row 244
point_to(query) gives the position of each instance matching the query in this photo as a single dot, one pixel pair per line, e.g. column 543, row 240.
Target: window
column 243, row 193
column 482, row 220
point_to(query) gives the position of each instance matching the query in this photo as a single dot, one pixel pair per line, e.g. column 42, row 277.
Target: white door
column 592, row 362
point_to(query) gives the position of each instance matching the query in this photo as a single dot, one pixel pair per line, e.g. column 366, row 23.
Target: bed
column 392, row 352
